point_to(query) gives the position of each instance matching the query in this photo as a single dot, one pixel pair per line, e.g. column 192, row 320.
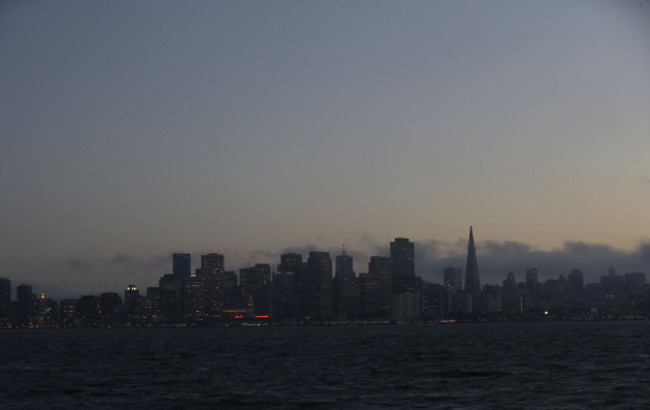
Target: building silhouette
column 319, row 272
column 5, row 297
column 182, row 264
column 472, row 280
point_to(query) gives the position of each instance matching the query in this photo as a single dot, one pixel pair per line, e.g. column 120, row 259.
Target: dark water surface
column 570, row 365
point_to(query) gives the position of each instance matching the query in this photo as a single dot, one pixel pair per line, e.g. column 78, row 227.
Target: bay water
column 550, row 365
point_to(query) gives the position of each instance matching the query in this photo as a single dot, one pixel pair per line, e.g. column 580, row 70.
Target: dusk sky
column 133, row 129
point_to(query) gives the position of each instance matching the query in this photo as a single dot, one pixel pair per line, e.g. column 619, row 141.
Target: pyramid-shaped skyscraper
column 472, row 281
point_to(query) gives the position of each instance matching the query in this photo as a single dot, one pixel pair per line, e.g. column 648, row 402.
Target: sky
column 131, row 130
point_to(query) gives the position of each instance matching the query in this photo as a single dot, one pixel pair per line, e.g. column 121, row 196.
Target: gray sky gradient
column 129, row 130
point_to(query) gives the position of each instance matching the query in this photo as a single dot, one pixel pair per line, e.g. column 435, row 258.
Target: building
column 453, row 278
column 531, row 283
column 5, row 297
column 472, row 280
column 380, row 271
column 212, row 273
column 345, row 293
column 344, row 266
column 319, row 273
column 182, row 264
column 131, row 299
column 402, row 257
column 256, row 282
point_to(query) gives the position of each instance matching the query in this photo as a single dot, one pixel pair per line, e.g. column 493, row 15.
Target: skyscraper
column 380, row 270
column 472, row 281
column 319, row 268
column 402, row 257
column 182, row 265
column 5, row 297
column 453, row 278
column 212, row 273
column 344, row 266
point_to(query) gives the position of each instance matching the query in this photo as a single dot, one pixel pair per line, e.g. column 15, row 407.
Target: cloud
column 496, row 259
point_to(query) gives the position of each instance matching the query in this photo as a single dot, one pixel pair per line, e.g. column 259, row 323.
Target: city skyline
column 133, row 130
column 497, row 260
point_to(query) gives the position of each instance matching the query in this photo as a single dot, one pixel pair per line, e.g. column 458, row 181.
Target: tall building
column 344, row 266
column 26, row 301
column 256, row 282
column 531, row 283
column 5, row 297
column 212, row 273
column 182, row 264
column 380, row 271
column 402, row 257
column 319, row 268
column 453, row 278
column 345, row 294
column 131, row 299
column 472, row 280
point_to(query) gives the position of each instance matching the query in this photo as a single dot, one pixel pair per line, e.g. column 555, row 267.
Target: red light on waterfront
column 261, row 316
column 239, row 317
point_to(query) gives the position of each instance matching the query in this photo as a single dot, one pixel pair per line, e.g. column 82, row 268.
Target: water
column 571, row 365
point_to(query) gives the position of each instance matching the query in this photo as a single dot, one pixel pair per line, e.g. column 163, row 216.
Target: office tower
column 5, row 297
column 131, row 299
column 344, row 266
column 453, row 278
column 111, row 304
column 171, row 302
column 193, row 297
column 319, row 274
column 182, row 264
column 370, row 295
column 152, row 301
column 531, row 283
column 69, row 313
column 285, row 304
column 345, row 288
column 402, row 256
column 256, row 282
column 26, row 301
column 380, row 270
column 290, row 262
column 212, row 263
column 212, row 273
column 88, row 308
column 472, row 281
column 510, row 297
